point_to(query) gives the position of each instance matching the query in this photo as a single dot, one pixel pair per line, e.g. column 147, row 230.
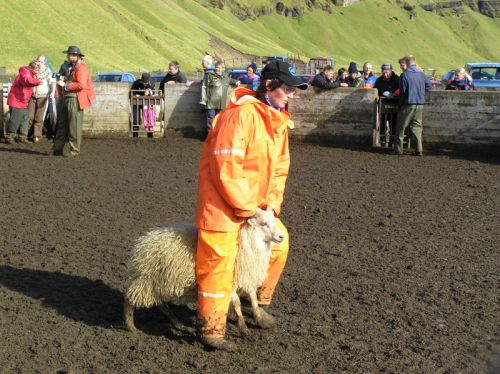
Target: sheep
column 161, row 268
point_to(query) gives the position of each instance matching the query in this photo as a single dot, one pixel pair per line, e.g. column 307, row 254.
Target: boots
column 221, row 344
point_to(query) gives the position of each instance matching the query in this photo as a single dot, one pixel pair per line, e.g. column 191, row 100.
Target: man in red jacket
column 18, row 100
column 78, row 93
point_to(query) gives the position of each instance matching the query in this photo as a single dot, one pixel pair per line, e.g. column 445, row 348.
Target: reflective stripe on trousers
column 215, row 258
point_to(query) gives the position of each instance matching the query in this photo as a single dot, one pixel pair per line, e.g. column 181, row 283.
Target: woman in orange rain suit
column 244, row 165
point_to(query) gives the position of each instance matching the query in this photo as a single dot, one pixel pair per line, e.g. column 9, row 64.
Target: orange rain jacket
column 82, row 85
column 244, row 164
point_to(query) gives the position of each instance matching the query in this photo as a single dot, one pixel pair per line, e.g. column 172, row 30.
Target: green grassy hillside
column 143, row 35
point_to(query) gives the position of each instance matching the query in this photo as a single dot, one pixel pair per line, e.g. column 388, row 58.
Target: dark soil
column 393, row 268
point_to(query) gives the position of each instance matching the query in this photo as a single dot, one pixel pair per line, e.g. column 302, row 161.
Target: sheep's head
column 265, row 223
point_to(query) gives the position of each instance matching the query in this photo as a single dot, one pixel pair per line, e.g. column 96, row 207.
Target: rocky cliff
column 294, row 9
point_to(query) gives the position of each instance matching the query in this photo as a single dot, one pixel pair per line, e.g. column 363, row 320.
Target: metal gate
column 386, row 120
column 146, row 113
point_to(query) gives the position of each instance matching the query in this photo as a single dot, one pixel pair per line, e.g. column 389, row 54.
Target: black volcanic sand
column 393, row 267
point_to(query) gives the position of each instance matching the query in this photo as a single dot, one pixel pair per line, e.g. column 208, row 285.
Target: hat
column 284, row 72
column 73, row 49
column 145, row 77
column 253, row 66
column 352, row 68
column 386, row 67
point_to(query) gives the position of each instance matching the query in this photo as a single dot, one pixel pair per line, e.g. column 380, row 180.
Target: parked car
column 115, row 77
column 306, row 78
column 157, row 78
column 485, row 75
column 431, row 74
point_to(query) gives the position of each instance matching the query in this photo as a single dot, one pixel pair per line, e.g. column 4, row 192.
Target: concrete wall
column 343, row 115
column 111, row 112
column 458, row 117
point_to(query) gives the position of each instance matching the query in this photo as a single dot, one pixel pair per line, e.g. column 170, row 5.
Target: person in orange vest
column 244, row 165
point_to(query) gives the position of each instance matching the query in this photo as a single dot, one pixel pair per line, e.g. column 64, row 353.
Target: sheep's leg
column 263, row 319
column 172, row 318
column 128, row 315
column 235, row 301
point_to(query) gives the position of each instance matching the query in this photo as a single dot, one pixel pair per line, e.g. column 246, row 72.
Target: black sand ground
column 394, row 263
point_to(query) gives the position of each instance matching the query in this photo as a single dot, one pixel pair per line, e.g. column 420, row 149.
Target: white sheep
column 162, row 268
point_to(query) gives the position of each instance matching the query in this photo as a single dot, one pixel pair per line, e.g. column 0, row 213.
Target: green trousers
column 69, row 126
column 409, row 115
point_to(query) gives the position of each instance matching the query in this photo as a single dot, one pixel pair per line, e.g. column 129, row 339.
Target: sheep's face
column 265, row 223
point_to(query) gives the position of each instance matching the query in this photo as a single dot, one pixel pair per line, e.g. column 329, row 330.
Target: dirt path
column 394, row 264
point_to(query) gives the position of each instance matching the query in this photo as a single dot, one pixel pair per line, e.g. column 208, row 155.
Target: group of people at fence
column 64, row 94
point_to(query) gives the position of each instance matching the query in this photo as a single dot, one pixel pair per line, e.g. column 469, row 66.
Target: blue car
column 485, row 75
column 115, row 77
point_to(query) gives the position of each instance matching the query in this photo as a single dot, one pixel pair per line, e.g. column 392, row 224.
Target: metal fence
column 386, row 120
column 146, row 113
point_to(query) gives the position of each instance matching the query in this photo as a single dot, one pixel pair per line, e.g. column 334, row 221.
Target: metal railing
column 146, row 112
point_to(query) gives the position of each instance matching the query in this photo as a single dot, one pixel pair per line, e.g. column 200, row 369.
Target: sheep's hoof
column 242, row 326
column 219, row 344
column 264, row 320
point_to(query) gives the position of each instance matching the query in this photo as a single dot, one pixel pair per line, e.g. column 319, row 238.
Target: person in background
column 244, row 166
column 37, row 107
column 174, row 75
column 325, row 79
column 139, row 88
column 354, row 79
column 460, row 81
column 367, row 76
column 251, row 78
column 206, row 63
column 78, row 94
column 388, row 82
column 412, row 86
column 18, row 101
column 214, row 92
column 343, row 77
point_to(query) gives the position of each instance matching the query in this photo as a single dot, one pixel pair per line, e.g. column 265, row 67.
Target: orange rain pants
column 215, row 258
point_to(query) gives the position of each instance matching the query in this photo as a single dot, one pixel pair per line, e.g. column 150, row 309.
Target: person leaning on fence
column 251, row 78
column 325, row 79
column 368, row 77
column 355, row 79
column 388, row 82
column 244, row 165
column 214, row 92
column 460, row 81
column 77, row 95
column 139, row 88
column 18, row 100
column 174, row 75
column 37, row 107
column 343, row 77
column 413, row 84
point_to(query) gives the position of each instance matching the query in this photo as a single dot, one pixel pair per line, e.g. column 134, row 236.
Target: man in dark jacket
column 388, row 82
column 412, row 86
column 174, row 75
column 325, row 79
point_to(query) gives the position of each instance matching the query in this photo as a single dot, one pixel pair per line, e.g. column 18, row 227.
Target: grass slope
column 141, row 35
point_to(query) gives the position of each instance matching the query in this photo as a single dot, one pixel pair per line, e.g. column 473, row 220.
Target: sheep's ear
column 252, row 221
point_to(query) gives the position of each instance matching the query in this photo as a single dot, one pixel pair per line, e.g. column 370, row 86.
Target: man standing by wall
column 78, row 93
column 174, row 75
column 412, row 85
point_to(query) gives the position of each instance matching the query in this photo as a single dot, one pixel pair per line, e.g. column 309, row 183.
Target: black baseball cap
column 284, row 72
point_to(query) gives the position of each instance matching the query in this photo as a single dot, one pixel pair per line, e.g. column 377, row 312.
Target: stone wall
column 111, row 113
column 343, row 116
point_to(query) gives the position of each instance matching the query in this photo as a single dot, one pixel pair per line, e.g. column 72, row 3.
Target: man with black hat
column 78, row 93
column 244, row 166
column 388, row 82
column 354, row 79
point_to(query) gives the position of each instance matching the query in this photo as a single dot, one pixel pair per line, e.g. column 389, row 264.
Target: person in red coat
column 77, row 95
column 18, row 100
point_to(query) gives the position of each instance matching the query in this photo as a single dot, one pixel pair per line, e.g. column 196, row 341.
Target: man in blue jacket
column 413, row 84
